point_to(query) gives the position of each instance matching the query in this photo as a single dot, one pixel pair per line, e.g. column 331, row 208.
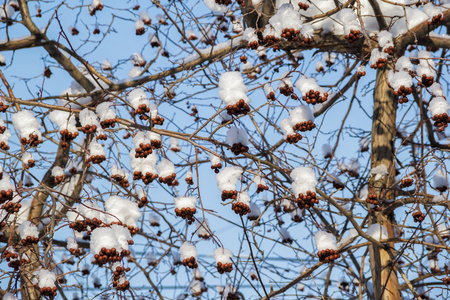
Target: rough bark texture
column 384, row 274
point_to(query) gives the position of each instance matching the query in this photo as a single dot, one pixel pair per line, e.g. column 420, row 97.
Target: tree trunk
column 384, row 274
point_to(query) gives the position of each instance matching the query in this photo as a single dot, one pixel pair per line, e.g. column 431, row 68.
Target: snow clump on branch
column 227, row 180
column 232, row 91
column 326, row 246
column 304, row 187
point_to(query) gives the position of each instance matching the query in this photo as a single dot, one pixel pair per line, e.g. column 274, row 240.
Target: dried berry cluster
column 261, row 188
column 140, row 31
column 169, row 180
column 48, row 291
column 33, row 140
column 12, row 258
column 143, row 150
column 303, row 6
column 117, row 273
column 223, row 2
column 270, row 40
column 30, row 240
column 11, row 207
column 74, row 30
column 238, row 149
column 353, row 36
column 297, row 218
column 186, row 213
column 158, row 120
column 290, row 34
column 239, row 108
column 216, row 167
column 147, row 178
column 122, row 181
column 240, row 208
column 143, row 202
column 229, row 195
column 67, row 137
column 426, row 81
column 286, row 90
column 142, row 110
column 441, row 121
column 402, row 93
column 307, row 41
column 110, row 123
column 5, row 195
column 82, row 225
column 99, row 7
column 418, row 216
column 441, row 189
column 224, row 268
column 190, row 262
column 107, row 256
column 406, row 182
column 328, row 255
column 89, row 129
column 320, row 69
column 306, row 201
column 243, row 58
column 436, row 20
column 271, row 96
column 3, row 146
column 287, row 240
column 381, row 62
column 77, row 252
column 292, row 139
column 189, row 180
column 314, row 97
column 96, row 159
column 304, row 126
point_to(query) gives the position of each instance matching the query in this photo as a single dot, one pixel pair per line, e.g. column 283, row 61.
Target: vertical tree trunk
column 384, row 274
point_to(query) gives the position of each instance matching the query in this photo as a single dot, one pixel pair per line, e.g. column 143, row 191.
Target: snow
column 105, row 112
column 28, row 229
column 326, row 149
column 305, row 84
column 187, row 250
column 26, row 123
column 104, row 237
column 404, row 64
column 6, row 11
column 324, row 240
column 26, row 157
column 202, row 227
column 232, row 88
column 138, row 24
column 348, row 17
column 71, row 243
column 185, row 202
column 9, row 296
column 223, row 255
column 438, row 106
column 440, row 179
column 398, row 79
column 216, row 8
column 57, row 171
column 243, row 198
column 237, row 135
column 255, row 210
column 173, row 143
column 122, row 210
column 249, row 35
column 301, row 114
column 89, row 210
column 115, row 170
column 377, row 231
column 286, row 126
column 144, row 165
column 46, row 278
column 165, row 168
column 96, row 149
column 376, row 55
column 385, row 39
column 379, row 171
column 135, row 72
column 304, row 180
column 352, row 233
column 436, row 90
column 285, row 235
column 432, row 10
column 228, row 178
column 64, row 120
column 285, row 17
column 106, row 65
column 145, row 17
column 138, row 97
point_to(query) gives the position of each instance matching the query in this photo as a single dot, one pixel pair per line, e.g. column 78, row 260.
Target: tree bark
column 384, row 273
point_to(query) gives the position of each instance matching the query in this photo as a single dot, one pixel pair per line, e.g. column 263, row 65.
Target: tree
column 321, row 191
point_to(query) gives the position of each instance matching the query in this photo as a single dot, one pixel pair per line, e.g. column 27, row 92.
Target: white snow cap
column 222, row 255
column 214, row 159
column 385, row 39
column 165, row 168
column 122, row 210
column 286, row 17
column 255, row 210
column 216, row 8
column 440, row 178
column 325, row 240
column 110, row 237
column 185, row 202
column 379, row 171
column 202, row 227
column 64, row 120
column 286, row 126
column 26, row 123
column 285, row 235
column 95, row 148
column 301, row 113
column 26, row 157
column 304, row 180
column 174, row 143
column 232, row 88
column 187, row 250
column 71, row 243
column 106, row 65
column 438, row 106
column 250, row 35
column 404, row 64
column 376, row 54
column 115, row 170
column 243, row 198
column 350, row 20
column 377, row 231
column 237, row 135
column 105, row 111
column 28, row 229
column 9, row 296
column 89, row 210
column 57, row 171
column 305, row 84
column 88, row 117
column 144, row 165
column 228, row 178
column 398, row 79
column 138, row 97
column 45, row 277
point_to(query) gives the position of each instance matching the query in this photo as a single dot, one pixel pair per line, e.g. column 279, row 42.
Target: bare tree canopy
column 218, row 149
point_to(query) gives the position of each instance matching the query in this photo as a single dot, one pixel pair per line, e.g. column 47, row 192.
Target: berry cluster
column 82, row 225
column 223, row 2
column 306, row 201
column 102, row 137
column 328, row 255
column 389, row 50
column 67, row 137
column 3, row 146
column 77, row 252
column 3, row 107
column 314, row 97
column 99, row 7
column 243, row 59
column 158, row 120
column 240, row 208
column 96, row 159
column 30, row 240
column 190, row 262
column 239, row 108
column 297, row 218
column 147, row 178
column 381, row 62
column 140, row 31
column 224, row 268
column 156, row 144
column 446, row 280
column 307, row 41
column 169, row 180
column 74, row 31
column 372, row 199
column 11, row 207
column 186, row 213
column 338, row 185
column 12, row 258
column 406, row 182
column 418, row 216
column 33, row 140
column 353, row 36
column 292, row 139
column 441, row 121
column 286, row 90
column 441, row 189
column 30, row 163
column 271, row 96
column 402, row 93
column 229, row 195
column 304, row 126
column 107, row 255
column 5, row 195
column 189, row 180
column 48, row 291
column 143, row 202
column 303, row 6
column 426, row 81
column 270, row 40
column 290, row 34
column 96, row 31
column 216, row 167
column 142, row 110
column 143, row 150
column 89, row 129
column 253, row 45
column 108, row 123
column 436, row 20
column 320, row 69
column 361, row 74
column 117, row 274
column 122, row 181
column 287, row 240
column 261, row 188
column 238, row 149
